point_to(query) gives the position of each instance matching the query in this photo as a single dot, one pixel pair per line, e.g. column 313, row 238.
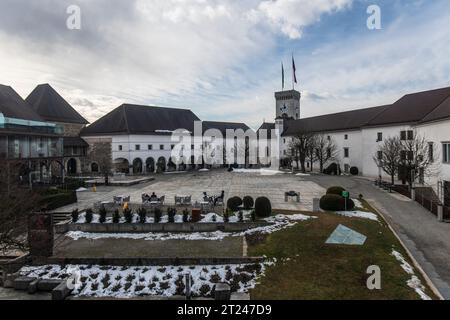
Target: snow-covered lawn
column 128, row 282
column 359, row 214
column 414, row 282
column 278, row 222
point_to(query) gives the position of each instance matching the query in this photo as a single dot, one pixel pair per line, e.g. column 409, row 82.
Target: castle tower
column 288, row 104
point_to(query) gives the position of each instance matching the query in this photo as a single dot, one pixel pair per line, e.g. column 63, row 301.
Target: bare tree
column 416, row 159
column 326, row 150
column 17, row 201
column 101, row 153
column 388, row 156
column 311, row 154
column 300, row 145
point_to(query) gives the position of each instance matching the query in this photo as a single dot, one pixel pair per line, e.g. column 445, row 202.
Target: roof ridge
column 437, row 106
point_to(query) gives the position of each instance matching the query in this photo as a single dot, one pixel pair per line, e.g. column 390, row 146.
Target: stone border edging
column 162, row 261
column 413, row 259
column 158, row 227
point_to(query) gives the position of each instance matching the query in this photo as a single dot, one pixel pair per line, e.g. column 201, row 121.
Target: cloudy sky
column 221, row 58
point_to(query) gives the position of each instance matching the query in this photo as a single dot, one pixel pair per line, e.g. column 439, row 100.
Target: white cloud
column 291, row 16
column 219, row 58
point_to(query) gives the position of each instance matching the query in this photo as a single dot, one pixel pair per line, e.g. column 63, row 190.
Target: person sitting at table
column 153, row 197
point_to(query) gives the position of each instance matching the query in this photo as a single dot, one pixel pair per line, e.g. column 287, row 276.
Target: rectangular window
column 161, row 147
column 403, row 135
column 403, row 155
column 150, row 147
column 410, row 155
column 192, row 147
column 431, row 151
column 346, row 152
column 380, row 155
column 379, row 136
column 346, row 137
column 446, row 153
column 120, row 147
column 410, row 135
column 137, row 147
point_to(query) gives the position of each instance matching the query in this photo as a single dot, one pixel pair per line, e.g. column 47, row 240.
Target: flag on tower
column 294, row 71
column 282, row 76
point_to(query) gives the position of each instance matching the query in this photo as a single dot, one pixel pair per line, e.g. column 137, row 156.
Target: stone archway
column 94, row 167
column 171, row 166
column 71, row 166
column 161, row 165
column 150, row 165
column 122, row 165
column 137, row 166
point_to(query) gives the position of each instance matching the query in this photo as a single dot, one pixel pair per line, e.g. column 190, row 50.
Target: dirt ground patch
column 130, row 248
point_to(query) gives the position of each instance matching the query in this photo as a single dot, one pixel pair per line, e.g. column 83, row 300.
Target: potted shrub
column 171, row 212
column 158, row 215
column 263, row 207
column 128, row 215
column 335, row 190
column 89, row 215
column 116, row 216
column 142, row 215
column 102, row 212
column 226, row 216
column 185, row 216
column 241, row 216
column 334, row 202
column 248, row 202
column 233, row 203
column 75, row 215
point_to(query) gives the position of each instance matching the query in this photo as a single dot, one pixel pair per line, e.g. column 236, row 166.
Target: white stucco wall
column 438, row 133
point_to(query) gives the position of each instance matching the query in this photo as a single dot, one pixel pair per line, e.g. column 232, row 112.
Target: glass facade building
column 24, row 139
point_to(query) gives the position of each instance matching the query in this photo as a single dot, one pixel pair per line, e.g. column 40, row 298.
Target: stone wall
column 157, row 227
column 71, row 129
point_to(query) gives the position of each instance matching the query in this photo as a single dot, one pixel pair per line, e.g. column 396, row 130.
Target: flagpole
column 294, row 72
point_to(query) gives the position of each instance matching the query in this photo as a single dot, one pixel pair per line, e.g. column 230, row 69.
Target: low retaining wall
column 111, row 207
column 157, row 227
column 163, row 261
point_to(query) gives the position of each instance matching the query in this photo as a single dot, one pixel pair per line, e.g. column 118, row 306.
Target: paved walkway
column 426, row 238
column 213, row 182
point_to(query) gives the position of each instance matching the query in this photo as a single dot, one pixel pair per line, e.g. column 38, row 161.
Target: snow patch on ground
column 263, row 172
column 358, row 204
column 414, row 282
column 303, row 175
column 129, row 282
column 278, row 222
column 359, row 214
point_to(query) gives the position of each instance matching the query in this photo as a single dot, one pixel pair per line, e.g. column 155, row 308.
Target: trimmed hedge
column 263, row 207
column 334, row 202
column 58, row 200
column 335, row 190
column 354, row 171
column 248, row 202
column 233, row 203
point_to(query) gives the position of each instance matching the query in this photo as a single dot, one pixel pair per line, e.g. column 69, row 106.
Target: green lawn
column 309, row 269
